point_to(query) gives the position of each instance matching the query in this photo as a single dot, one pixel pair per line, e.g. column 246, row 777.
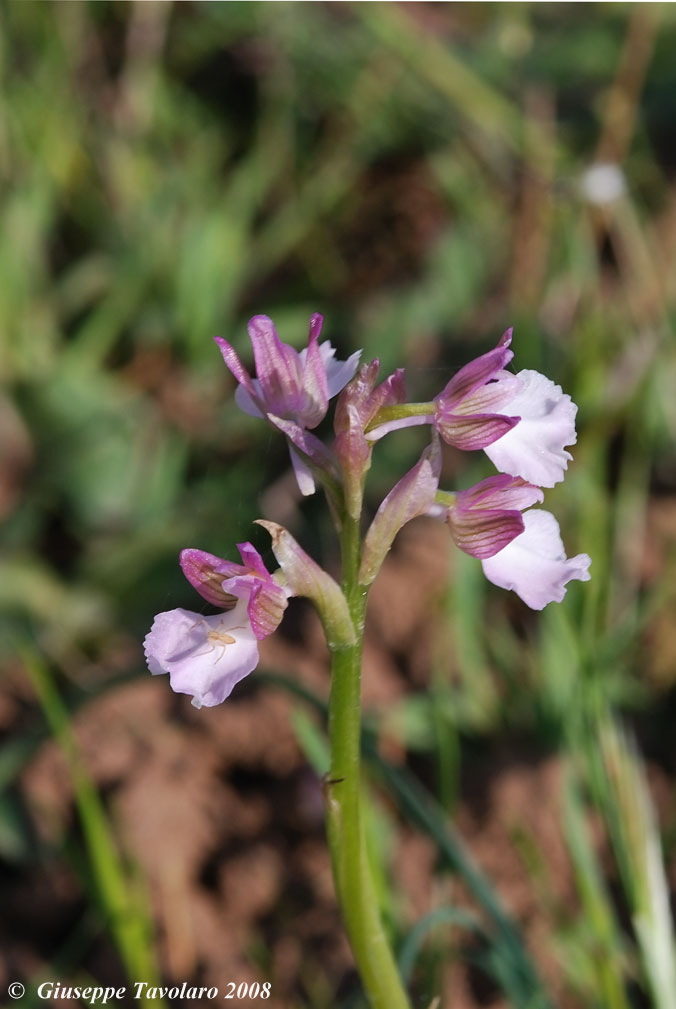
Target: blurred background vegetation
column 424, row 175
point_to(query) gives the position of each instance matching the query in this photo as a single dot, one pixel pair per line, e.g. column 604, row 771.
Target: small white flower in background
column 603, row 183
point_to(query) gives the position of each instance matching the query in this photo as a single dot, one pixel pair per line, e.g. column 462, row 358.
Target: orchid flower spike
column 292, row 387
column 207, row 656
column 524, row 553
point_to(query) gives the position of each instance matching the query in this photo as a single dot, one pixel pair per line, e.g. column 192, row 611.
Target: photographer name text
column 95, row 995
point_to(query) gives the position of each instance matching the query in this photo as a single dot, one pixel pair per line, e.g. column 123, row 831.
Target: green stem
column 351, row 870
column 400, row 411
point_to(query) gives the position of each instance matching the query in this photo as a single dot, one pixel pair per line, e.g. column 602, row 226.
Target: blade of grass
column 519, row 974
column 634, row 831
column 440, row 916
column 606, row 959
column 482, row 107
column 120, row 898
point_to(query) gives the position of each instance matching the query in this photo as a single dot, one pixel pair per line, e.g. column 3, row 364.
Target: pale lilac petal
column 323, row 378
column 204, row 656
column 246, row 402
column 326, row 351
column 303, row 473
column 309, row 445
column 315, row 385
column 534, row 448
column 534, row 565
column 339, row 373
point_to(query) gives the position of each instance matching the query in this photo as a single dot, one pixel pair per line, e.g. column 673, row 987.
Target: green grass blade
column 605, row 960
column 416, row 937
column 519, row 973
column 635, row 835
column 119, row 896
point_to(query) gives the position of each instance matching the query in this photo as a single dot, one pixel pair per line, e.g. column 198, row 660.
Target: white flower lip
column 204, row 656
column 534, row 448
column 534, row 565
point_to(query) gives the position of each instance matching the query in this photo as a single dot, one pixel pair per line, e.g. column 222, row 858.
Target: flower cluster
column 523, row 422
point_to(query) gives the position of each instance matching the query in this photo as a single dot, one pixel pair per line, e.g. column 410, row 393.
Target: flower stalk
column 345, row 828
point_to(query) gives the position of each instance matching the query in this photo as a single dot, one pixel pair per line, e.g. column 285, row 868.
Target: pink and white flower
column 290, row 385
column 207, row 656
column 519, row 552
column 523, row 422
column 204, row 656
